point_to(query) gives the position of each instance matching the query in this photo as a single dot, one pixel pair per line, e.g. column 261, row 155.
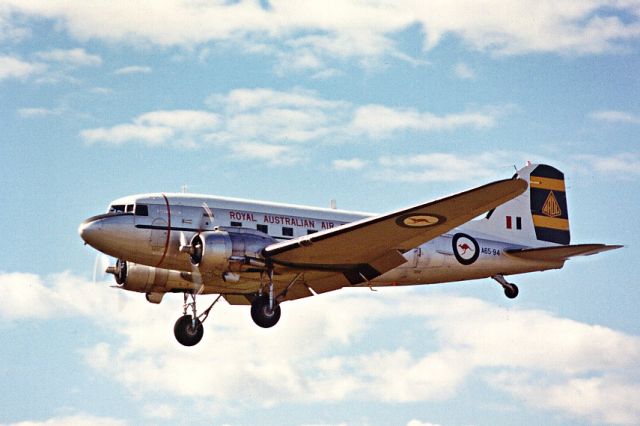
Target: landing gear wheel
column 511, row 291
column 262, row 315
column 186, row 333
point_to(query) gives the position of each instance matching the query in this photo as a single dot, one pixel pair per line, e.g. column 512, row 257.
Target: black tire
column 262, row 315
column 511, row 292
column 185, row 333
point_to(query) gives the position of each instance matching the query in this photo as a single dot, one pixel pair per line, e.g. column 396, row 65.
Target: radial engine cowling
column 229, row 249
column 147, row 279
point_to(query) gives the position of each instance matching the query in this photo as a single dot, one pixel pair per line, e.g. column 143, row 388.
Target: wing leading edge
column 365, row 249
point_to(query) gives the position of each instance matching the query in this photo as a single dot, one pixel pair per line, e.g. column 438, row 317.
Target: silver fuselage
column 149, row 230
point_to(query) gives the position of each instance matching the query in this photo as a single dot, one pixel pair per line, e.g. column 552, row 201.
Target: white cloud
column 463, row 71
column 28, row 294
column 416, row 422
column 277, row 126
column 445, row 167
column 38, row 112
column 156, row 128
column 186, row 120
column 123, row 133
column 276, row 155
column 613, row 116
column 133, row 69
column 159, row 411
column 622, row 165
column 11, row 67
column 381, row 121
column 100, row 90
column 609, row 399
column 239, row 100
column 579, row 370
column 308, row 35
column 351, row 164
column 74, row 57
column 11, row 31
column 80, row 419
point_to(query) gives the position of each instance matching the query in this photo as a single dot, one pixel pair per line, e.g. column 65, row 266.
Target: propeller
column 100, row 266
column 119, row 271
column 207, row 216
column 194, row 248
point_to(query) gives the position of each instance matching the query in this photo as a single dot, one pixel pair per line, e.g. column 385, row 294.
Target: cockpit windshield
column 117, row 208
column 137, row 209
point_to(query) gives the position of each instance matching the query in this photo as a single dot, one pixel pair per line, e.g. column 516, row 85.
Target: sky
column 376, row 104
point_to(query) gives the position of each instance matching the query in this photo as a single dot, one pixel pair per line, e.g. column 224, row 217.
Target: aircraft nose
column 89, row 230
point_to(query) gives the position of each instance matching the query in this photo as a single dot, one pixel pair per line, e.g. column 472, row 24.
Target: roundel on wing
column 419, row 220
column 465, row 248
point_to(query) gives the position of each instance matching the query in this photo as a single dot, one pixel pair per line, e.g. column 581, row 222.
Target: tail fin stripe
column 550, row 222
column 547, row 183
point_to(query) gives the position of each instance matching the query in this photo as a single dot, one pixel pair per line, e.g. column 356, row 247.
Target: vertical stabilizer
column 549, row 205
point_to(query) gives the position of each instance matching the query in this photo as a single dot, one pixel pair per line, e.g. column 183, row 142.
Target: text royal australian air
column 279, row 220
column 263, row 254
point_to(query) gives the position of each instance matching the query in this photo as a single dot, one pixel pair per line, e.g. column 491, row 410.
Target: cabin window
column 311, row 231
column 237, row 224
column 518, row 222
column 287, row 232
column 142, row 210
column 263, row 228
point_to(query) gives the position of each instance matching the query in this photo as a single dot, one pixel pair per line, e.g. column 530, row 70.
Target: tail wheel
column 511, row 291
column 185, row 331
column 262, row 314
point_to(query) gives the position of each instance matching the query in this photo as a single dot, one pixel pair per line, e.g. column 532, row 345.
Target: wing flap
column 375, row 244
column 560, row 252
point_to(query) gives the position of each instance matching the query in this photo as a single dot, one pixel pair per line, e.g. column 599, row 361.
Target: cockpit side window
column 129, row 208
column 117, row 208
column 142, row 210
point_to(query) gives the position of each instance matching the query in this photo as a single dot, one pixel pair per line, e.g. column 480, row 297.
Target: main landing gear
column 510, row 289
column 265, row 310
column 188, row 328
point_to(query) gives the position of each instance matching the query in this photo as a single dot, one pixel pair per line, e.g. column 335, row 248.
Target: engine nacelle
column 229, row 249
column 147, row 279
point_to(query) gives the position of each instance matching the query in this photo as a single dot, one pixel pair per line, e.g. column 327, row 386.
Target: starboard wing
column 367, row 248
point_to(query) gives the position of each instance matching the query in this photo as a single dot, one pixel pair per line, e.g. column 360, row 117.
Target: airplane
column 263, row 254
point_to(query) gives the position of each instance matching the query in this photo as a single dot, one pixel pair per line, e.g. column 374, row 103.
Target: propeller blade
column 100, row 265
column 207, row 217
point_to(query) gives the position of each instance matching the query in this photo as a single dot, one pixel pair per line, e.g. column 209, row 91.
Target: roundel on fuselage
column 465, row 248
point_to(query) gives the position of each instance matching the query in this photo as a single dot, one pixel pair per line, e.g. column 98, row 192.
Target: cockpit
column 136, row 209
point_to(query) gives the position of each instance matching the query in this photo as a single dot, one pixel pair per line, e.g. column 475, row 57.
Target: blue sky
column 378, row 105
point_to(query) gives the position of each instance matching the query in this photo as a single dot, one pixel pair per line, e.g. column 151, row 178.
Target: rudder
column 548, row 198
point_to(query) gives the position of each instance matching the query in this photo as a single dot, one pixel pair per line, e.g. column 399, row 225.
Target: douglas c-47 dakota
column 263, row 254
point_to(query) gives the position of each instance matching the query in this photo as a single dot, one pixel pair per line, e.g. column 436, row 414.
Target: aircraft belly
column 449, row 270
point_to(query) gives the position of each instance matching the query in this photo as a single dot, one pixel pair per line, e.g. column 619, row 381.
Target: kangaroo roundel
column 419, row 220
column 465, row 248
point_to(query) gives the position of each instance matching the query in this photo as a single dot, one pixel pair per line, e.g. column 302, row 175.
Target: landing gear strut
column 188, row 328
column 265, row 310
column 510, row 289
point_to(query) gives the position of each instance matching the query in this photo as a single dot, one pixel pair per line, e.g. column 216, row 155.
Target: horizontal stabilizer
column 560, row 252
